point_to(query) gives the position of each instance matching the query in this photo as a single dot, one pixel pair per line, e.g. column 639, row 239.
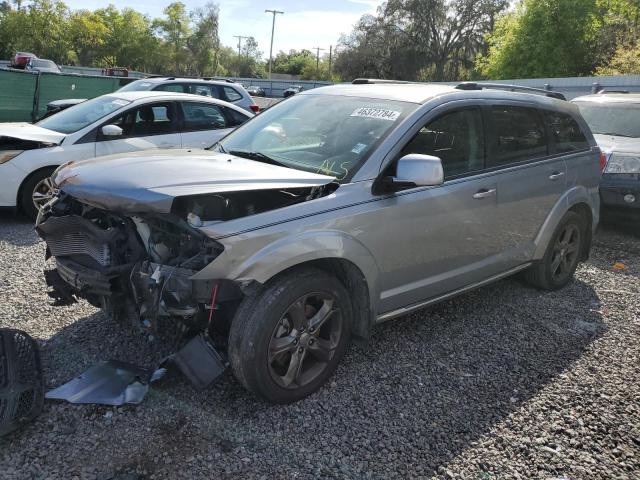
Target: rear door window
column 203, row 90
column 566, row 134
column 457, row 138
column 518, row 135
column 203, row 116
column 231, row 94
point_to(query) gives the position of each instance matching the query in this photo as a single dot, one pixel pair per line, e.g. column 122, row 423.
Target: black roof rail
column 512, row 88
column 600, row 92
column 371, row 81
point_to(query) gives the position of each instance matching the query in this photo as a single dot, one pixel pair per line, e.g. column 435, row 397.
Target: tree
column 294, row 62
column 204, row 43
column 175, row 29
column 543, row 38
column 418, row 39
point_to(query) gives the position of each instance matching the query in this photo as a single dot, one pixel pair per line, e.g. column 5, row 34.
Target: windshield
column 85, row 113
column 325, row 134
column 612, row 119
column 137, row 86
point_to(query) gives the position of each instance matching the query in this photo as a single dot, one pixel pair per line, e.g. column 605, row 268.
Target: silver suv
column 340, row 208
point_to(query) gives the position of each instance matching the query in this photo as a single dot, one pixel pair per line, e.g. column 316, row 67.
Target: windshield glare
column 79, row 116
column 612, row 119
column 324, row 134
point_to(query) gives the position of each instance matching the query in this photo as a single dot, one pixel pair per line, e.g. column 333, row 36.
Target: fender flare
column 290, row 251
column 574, row 196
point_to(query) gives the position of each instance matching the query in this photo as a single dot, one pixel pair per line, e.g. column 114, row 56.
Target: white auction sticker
column 381, row 113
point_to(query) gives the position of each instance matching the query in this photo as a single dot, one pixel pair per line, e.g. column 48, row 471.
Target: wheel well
column 26, row 180
column 356, row 284
column 584, row 211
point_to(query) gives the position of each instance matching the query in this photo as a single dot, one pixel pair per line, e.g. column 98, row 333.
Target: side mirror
column 421, row 170
column 412, row 170
column 111, row 131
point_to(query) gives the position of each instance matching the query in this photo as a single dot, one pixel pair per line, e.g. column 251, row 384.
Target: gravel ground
column 503, row 382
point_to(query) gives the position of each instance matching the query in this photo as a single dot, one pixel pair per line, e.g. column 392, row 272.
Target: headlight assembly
column 623, row 163
column 7, row 155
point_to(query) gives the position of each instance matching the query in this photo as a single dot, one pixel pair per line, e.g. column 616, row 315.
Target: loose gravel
column 502, row 383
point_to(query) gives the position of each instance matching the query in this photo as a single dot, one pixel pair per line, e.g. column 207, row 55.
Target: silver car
column 341, row 208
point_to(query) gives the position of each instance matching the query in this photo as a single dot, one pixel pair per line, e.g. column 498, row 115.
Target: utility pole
column 239, row 37
column 273, row 27
column 317, row 49
column 330, row 59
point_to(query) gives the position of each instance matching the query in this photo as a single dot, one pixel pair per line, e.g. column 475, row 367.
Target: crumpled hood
column 610, row 143
column 28, row 131
column 148, row 181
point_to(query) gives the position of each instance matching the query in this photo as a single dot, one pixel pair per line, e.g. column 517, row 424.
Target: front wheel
column 561, row 258
column 36, row 192
column 287, row 340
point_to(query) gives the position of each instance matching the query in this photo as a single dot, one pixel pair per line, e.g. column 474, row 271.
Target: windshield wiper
column 257, row 156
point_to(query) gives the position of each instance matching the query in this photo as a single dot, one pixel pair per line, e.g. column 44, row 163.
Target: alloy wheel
column 565, row 252
column 43, row 193
column 305, row 339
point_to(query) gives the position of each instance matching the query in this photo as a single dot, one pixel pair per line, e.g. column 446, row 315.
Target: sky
column 305, row 24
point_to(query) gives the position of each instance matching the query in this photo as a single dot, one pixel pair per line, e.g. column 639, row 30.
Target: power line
column 273, row 27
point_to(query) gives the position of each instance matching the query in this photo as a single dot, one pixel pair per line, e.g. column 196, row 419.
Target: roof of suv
column 610, row 98
column 187, row 80
column 423, row 92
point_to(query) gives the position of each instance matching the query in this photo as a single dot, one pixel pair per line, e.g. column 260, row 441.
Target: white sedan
column 114, row 123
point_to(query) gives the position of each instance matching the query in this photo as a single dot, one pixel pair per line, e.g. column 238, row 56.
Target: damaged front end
column 137, row 268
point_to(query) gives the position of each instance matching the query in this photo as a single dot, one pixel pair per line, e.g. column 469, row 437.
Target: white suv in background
column 119, row 122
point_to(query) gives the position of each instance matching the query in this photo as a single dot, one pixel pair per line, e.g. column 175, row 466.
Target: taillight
column 603, row 161
column 255, row 108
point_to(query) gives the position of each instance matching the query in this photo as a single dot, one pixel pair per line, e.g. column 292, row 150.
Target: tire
column 272, row 333
column 547, row 274
column 36, row 181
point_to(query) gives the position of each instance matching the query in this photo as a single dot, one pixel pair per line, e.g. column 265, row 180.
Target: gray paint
column 413, row 247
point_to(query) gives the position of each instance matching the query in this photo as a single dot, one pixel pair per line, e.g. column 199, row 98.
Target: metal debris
column 112, row 383
column 199, row 361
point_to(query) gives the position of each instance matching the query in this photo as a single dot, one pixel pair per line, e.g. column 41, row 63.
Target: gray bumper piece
column 108, row 383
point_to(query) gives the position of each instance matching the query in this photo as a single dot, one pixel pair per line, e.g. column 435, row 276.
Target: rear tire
column 37, row 187
column 562, row 256
column 288, row 339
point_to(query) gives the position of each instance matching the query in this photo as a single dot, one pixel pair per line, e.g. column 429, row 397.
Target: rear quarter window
column 231, row 94
column 566, row 134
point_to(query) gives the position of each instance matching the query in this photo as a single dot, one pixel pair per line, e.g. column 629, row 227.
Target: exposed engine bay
column 138, row 266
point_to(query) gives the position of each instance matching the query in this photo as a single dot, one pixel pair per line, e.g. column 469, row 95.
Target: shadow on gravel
column 17, row 229
column 426, row 388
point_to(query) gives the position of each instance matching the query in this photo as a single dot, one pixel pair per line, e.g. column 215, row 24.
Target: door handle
column 484, row 193
column 556, row 175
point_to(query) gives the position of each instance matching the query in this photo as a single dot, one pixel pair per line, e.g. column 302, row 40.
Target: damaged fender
column 290, row 251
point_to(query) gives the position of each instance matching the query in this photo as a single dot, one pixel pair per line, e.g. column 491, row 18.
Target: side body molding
column 575, row 195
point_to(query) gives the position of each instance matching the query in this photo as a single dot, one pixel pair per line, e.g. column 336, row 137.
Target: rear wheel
column 36, row 192
column 561, row 258
column 287, row 341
